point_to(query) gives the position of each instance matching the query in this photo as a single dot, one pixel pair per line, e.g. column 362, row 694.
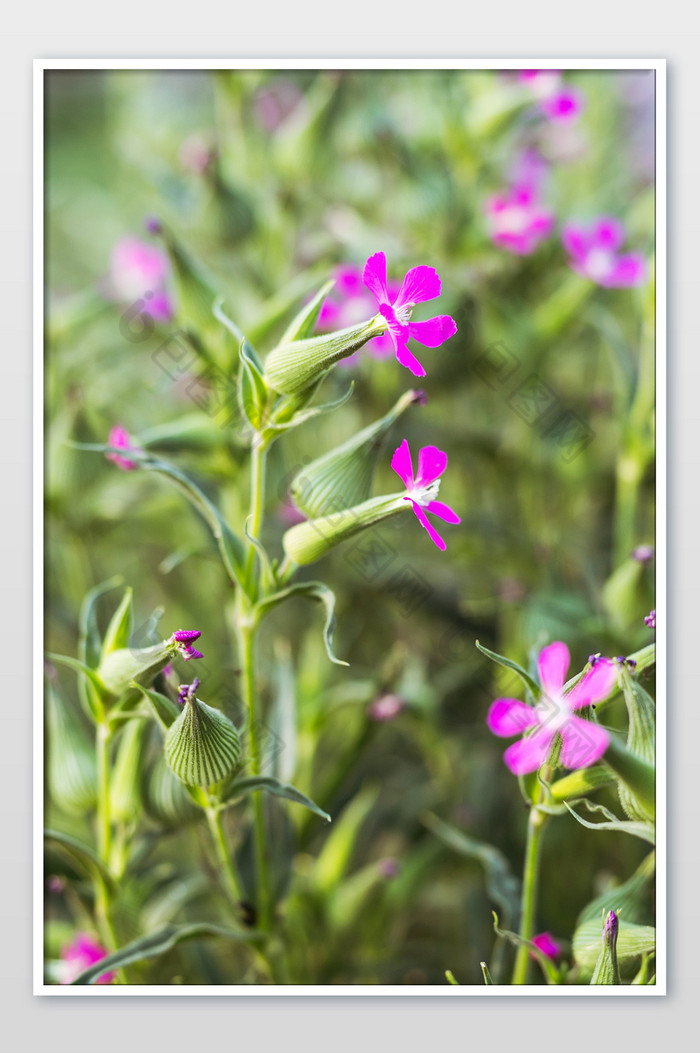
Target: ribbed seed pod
column 307, row 542
column 343, row 477
column 202, row 746
column 292, row 367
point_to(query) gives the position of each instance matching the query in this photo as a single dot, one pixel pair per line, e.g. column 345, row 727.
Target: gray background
column 440, row 29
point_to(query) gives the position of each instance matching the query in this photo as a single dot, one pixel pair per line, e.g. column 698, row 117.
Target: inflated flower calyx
column 142, row 664
column 343, row 477
column 293, row 367
column 202, row 747
column 307, row 542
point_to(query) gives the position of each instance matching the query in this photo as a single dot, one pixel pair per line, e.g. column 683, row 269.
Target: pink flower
column 139, row 271
column 594, row 253
column 546, row 943
column 583, row 743
column 517, row 220
column 183, row 640
column 348, row 304
column 650, row 619
column 422, row 490
column 419, row 285
column 542, row 82
column 120, row 438
column 385, row 708
column 563, row 106
column 79, row 956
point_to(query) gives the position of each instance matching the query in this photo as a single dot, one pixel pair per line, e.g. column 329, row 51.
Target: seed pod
column 343, row 477
column 202, row 747
column 307, row 542
column 292, row 367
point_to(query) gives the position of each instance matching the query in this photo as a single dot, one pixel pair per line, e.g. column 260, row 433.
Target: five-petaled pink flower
column 422, row 490
column 348, row 303
column 121, row 440
column 79, row 955
column 419, row 285
column 583, row 743
column 517, row 221
column 594, row 253
column 140, row 271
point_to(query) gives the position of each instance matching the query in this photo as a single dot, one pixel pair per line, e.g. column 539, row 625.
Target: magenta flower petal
column 546, row 943
column 434, row 331
column 407, row 358
column 374, row 276
column 420, row 284
column 627, row 270
column 552, row 664
column 431, row 464
column 424, row 522
column 159, row 306
column 594, row 686
column 443, row 511
column 509, row 716
column 530, row 753
column 120, row 438
column 403, row 465
column 564, row 106
column 576, row 240
column 608, row 233
column 583, row 743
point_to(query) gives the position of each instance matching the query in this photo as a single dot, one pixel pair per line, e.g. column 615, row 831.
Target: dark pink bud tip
column 152, row 225
column 187, row 691
column 610, row 929
column 420, row 398
column 186, row 635
column 189, row 652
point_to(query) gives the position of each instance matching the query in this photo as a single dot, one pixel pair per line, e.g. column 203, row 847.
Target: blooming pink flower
column 79, row 955
column 563, row 106
column 120, row 438
column 583, row 743
column 594, row 253
column 419, row 285
column 183, row 639
column 517, row 220
column 140, row 271
column 348, row 304
column 545, row 942
column 422, row 490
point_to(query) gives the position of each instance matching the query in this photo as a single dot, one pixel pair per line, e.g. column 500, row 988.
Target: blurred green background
column 270, row 179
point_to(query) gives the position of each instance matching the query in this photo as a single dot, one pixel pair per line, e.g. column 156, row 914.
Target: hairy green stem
column 528, row 900
column 233, row 882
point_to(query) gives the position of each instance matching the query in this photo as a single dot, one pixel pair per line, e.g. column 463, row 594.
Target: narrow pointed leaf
column 507, row 663
column 80, row 855
column 311, row 590
column 303, row 325
column 119, row 629
column 266, row 784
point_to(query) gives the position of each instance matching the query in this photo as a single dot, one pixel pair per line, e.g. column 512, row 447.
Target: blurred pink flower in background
column 350, row 303
column 120, row 438
column 275, row 102
column 140, row 271
column 545, row 942
column 542, row 82
column 594, row 253
column 79, row 955
column 564, row 106
column 385, row 708
column 517, row 220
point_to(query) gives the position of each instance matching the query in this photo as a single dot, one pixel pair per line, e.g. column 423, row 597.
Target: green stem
column 535, row 827
column 233, row 881
column 104, row 820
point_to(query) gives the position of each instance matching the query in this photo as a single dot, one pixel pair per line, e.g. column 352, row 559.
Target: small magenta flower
column 517, row 221
column 348, row 304
column 120, row 438
column 139, row 270
column 583, row 743
column 422, row 490
column 546, row 943
column 643, row 553
column 564, row 106
column 419, row 285
column 79, row 955
column 183, row 640
column 650, row 619
column 385, row 708
column 594, row 253
column 389, row 868
column 187, row 691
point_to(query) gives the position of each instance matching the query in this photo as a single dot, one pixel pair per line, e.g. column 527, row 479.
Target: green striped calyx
column 343, row 477
column 307, row 542
column 118, row 668
column 292, row 367
column 607, row 970
column 202, row 746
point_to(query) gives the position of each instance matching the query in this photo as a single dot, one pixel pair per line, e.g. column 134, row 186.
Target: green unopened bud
column 307, row 542
column 607, row 970
column 292, row 367
column 343, row 477
column 202, row 747
column 118, row 668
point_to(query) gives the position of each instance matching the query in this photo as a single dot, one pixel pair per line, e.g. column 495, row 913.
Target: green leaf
column 156, row 944
column 311, row 590
column 633, row 941
column 265, row 783
column 628, row 897
column 89, row 643
column 119, row 629
column 507, row 663
column 644, row 830
column 286, row 416
column 303, row 325
column 638, row 776
column 95, row 705
column 253, row 393
column 486, row 974
column 71, row 769
column 449, row 976
column 165, row 710
column 501, row 883
column 81, row 856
